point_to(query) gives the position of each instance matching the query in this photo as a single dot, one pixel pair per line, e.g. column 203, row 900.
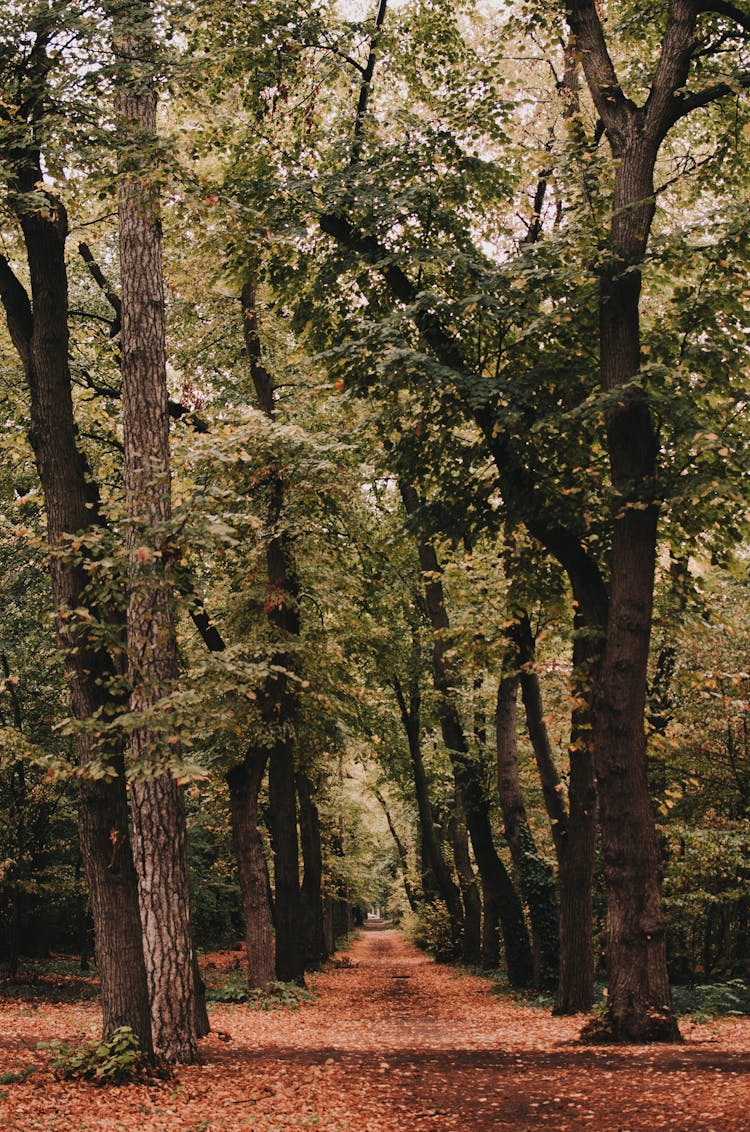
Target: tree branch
column 18, row 312
column 104, row 286
column 694, row 100
column 614, row 108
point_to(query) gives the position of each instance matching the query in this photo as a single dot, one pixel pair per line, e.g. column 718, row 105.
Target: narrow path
column 396, row 1043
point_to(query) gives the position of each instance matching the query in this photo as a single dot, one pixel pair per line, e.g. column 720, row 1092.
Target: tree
column 38, row 325
column 156, row 795
column 639, row 1002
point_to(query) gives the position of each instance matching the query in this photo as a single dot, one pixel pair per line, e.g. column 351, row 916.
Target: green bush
column 712, row 1000
column 279, row 996
column 430, row 929
column 118, row 1060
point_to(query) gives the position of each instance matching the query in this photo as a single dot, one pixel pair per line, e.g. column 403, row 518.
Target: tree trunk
column 434, row 867
column 495, row 877
column 156, row 799
column 244, row 781
column 471, row 942
column 403, row 855
column 39, row 331
column 535, row 876
column 639, row 1002
column 313, row 935
column 278, row 700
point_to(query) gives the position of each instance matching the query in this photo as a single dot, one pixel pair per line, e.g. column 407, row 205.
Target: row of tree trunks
column 536, row 878
column 518, row 952
column 436, row 875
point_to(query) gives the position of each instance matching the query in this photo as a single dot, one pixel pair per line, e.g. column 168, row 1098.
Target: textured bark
column 315, row 951
column 639, row 1002
column 244, row 781
column 535, row 877
column 38, row 327
column 156, row 799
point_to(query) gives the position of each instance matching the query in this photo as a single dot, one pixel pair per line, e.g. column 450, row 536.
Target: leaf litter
column 392, row 1042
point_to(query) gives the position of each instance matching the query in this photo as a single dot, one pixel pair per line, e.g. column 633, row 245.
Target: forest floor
column 391, row 1043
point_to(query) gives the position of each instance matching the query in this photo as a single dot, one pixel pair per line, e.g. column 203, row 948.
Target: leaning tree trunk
column 244, row 781
column 159, row 835
column 39, row 330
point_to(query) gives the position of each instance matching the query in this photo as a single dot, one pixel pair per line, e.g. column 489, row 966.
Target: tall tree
column 278, row 701
column 38, row 325
column 157, row 804
column 639, row 1001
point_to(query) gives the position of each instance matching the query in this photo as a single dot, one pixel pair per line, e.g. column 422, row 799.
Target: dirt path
column 395, row 1043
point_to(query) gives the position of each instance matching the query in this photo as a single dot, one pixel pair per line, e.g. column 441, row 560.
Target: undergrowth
column 279, row 996
column 118, row 1060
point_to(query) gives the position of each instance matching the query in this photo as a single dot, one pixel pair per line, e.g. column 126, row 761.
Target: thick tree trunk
column 244, row 781
column 535, row 876
column 314, row 947
column 639, row 1001
column 39, row 331
column 156, row 799
column 290, row 964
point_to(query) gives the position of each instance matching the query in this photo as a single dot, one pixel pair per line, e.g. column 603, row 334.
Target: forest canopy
column 374, row 493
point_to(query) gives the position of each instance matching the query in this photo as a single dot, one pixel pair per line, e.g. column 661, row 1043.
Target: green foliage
column 704, row 1001
column 430, row 929
column 233, row 988
column 118, row 1060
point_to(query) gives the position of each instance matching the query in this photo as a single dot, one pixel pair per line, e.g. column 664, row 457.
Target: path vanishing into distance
column 392, row 1042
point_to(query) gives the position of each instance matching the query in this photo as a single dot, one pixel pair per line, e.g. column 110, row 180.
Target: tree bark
column 314, row 947
column 156, row 798
column 39, row 330
column 639, row 1002
column 244, row 781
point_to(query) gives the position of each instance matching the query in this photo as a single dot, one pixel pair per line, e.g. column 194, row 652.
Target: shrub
column 117, row 1060
column 430, row 929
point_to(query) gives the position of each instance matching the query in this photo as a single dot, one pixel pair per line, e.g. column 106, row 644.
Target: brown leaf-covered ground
column 392, row 1043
